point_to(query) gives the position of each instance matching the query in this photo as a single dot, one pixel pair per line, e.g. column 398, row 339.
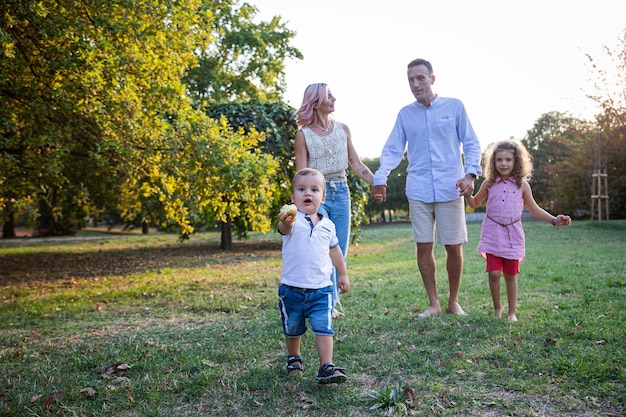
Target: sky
column 509, row 62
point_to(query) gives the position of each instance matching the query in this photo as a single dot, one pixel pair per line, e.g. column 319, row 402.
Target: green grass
column 149, row 326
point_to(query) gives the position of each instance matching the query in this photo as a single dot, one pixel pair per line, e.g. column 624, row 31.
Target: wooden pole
column 599, row 194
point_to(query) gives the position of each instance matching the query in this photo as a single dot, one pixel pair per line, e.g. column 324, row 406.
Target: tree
column 85, row 92
column 278, row 122
column 561, row 149
column 243, row 60
column 191, row 183
column 610, row 137
column 93, row 114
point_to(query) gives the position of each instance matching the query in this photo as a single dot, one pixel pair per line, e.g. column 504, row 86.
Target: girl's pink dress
column 502, row 233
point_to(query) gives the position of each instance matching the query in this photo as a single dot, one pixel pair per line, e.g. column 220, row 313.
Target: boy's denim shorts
column 297, row 304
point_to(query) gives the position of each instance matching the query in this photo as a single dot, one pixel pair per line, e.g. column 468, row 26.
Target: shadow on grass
column 48, row 266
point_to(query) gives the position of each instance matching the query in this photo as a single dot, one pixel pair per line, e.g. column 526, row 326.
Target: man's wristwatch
column 473, row 176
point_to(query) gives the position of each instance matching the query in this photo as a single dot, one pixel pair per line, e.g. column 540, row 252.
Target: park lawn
column 150, row 326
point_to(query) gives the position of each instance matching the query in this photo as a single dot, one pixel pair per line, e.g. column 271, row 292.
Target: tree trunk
column 8, row 228
column 51, row 224
column 226, row 242
column 145, row 229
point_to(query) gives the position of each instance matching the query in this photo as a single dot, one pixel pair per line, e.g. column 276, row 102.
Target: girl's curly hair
column 522, row 161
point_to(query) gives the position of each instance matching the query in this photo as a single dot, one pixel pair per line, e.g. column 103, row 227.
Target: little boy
column 310, row 250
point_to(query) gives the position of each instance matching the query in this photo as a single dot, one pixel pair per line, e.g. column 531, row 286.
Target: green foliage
column 192, row 183
column 243, row 60
column 85, row 91
column 278, row 123
column 93, row 112
column 562, row 155
column 389, row 399
column 566, row 152
column 359, row 195
column 396, row 191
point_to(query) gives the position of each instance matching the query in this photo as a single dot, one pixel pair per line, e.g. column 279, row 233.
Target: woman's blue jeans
column 338, row 209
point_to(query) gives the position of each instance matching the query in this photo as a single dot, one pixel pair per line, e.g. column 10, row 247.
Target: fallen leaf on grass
column 117, row 369
column 410, row 393
column 90, row 392
column 305, row 399
column 58, row 396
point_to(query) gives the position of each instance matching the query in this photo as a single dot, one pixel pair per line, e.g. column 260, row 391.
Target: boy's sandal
column 294, row 368
column 331, row 374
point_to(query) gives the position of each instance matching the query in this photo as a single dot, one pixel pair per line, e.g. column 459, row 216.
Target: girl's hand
column 562, row 220
column 465, row 186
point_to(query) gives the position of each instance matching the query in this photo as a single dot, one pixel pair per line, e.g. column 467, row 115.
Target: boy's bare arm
column 343, row 282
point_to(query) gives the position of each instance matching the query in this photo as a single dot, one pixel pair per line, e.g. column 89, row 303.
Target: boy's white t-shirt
column 306, row 259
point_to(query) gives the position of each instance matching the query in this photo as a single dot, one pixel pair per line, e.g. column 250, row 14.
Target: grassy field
column 148, row 326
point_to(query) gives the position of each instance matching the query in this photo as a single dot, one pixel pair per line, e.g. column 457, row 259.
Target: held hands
column 379, row 193
column 465, row 186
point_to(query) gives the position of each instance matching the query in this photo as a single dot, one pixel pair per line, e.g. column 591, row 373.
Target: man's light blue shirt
column 434, row 139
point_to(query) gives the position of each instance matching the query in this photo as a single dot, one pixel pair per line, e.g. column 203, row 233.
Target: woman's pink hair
column 313, row 94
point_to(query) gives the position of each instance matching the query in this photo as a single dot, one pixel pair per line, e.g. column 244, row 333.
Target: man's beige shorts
column 448, row 219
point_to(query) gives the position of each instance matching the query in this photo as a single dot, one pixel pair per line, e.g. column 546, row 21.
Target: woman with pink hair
column 325, row 144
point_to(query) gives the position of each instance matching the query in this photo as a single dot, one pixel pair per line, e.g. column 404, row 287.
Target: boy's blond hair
column 309, row 171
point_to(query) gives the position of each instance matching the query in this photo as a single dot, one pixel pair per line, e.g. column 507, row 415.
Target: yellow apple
column 289, row 210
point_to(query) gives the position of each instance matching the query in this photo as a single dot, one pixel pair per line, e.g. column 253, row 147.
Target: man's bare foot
column 430, row 312
column 456, row 309
column 497, row 313
column 512, row 318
